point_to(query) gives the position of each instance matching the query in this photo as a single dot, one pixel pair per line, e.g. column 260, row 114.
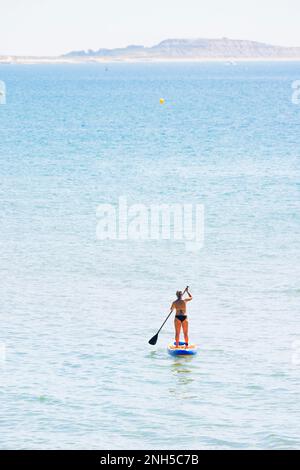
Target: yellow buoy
column 162, row 101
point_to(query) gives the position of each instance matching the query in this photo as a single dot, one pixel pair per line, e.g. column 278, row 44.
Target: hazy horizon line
column 136, row 44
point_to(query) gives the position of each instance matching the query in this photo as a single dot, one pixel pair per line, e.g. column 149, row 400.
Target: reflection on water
column 152, row 355
column 182, row 372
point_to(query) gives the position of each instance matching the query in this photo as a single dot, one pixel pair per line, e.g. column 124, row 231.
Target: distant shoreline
column 171, row 50
column 103, row 61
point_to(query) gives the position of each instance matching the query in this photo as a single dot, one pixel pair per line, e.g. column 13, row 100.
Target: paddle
column 153, row 340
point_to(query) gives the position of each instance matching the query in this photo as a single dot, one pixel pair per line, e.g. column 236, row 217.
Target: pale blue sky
column 53, row 27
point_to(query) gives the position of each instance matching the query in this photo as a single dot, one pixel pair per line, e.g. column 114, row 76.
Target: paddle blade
column 153, row 341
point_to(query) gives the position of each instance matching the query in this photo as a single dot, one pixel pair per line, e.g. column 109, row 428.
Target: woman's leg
column 185, row 327
column 177, row 324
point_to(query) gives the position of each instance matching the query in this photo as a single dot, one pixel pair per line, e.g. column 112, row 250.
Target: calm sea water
column 76, row 369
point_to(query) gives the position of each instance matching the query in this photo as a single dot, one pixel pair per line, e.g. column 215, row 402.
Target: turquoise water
column 77, row 313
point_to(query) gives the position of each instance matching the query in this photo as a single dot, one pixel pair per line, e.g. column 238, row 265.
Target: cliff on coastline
column 195, row 49
column 172, row 49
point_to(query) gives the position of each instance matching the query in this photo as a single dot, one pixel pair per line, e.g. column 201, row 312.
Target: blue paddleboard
column 182, row 350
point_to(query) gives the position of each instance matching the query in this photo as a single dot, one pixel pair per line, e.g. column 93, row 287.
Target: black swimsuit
column 181, row 318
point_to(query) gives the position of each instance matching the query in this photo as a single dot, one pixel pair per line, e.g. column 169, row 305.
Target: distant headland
column 173, row 50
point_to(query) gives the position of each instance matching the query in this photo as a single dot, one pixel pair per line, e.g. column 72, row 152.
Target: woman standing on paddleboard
column 181, row 319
